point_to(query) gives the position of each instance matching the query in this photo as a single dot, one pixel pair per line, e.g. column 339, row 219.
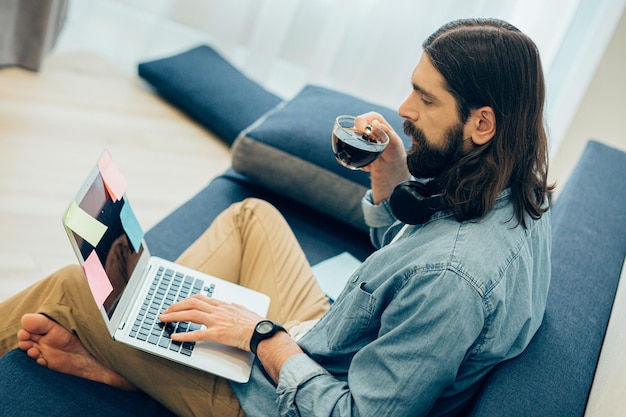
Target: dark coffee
column 353, row 150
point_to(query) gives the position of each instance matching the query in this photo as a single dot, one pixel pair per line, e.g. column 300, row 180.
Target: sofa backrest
column 553, row 376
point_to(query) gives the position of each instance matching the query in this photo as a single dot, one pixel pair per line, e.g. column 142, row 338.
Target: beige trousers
column 249, row 243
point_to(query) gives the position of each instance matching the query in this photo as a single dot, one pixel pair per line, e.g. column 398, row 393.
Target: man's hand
column 232, row 325
column 390, row 168
column 228, row 324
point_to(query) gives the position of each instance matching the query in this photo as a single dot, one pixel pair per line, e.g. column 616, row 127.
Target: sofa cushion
column 319, row 236
column 28, row 389
column 296, row 138
column 205, row 86
column 553, row 376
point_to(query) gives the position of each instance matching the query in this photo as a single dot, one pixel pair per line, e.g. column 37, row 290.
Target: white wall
column 128, row 31
column 602, row 111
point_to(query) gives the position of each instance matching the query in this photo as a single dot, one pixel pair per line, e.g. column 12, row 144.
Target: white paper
column 333, row 273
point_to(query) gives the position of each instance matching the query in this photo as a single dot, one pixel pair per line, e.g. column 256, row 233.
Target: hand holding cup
column 354, row 146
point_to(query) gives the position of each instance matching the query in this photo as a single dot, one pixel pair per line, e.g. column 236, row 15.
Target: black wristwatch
column 264, row 330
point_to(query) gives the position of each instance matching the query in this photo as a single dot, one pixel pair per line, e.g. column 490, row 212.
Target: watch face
column 265, row 327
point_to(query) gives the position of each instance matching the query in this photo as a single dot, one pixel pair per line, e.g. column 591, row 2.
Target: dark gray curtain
column 28, row 30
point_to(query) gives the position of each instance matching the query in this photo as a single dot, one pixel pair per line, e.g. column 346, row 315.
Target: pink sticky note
column 97, row 278
column 114, row 182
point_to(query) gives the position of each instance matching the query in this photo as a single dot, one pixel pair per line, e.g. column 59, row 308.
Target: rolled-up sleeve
column 376, row 215
column 296, row 371
column 383, row 224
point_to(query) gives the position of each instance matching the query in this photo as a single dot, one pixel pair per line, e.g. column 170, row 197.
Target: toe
column 33, row 352
column 23, row 335
column 36, row 324
column 42, row 361
column 25, row 344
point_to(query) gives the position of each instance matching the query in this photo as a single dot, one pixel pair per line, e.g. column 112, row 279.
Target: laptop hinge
column 135, row 295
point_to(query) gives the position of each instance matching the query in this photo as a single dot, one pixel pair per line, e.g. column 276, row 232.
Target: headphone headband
column 413, row 202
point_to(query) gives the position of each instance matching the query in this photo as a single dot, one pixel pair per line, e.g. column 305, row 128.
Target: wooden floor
column 54, row 125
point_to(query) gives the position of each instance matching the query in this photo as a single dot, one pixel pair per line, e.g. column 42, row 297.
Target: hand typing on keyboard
column 169, row 328
column 167, row 288
column 227, row 323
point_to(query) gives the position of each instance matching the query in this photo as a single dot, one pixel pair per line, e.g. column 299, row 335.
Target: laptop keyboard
column 167, row 288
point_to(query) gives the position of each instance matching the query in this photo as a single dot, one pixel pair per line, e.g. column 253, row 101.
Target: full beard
column 426, row 161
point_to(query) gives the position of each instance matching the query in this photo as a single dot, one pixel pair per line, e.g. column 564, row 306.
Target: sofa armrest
column 553, row 376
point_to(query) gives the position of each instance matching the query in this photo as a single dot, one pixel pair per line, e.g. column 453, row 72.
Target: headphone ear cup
column 411, row 202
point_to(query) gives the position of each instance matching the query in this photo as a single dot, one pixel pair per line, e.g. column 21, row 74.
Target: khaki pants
column 249, row 243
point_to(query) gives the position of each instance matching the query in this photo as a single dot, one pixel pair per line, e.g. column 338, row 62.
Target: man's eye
column 426, row 101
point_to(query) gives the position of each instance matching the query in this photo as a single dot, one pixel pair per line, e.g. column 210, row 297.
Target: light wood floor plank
column 54, row 125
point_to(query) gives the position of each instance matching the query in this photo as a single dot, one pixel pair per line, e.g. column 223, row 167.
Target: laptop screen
column 117, row 255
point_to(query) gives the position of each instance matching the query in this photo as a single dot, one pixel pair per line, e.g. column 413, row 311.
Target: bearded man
column 458, row 282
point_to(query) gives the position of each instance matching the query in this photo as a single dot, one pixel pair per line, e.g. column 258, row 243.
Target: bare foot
column 53, row 346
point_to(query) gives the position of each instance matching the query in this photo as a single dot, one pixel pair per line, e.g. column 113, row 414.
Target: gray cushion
column 296, row 138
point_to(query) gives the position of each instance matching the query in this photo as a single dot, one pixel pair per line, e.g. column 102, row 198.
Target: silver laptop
column 132, row 288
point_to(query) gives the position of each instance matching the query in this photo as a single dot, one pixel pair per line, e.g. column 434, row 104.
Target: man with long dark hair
column 449, row 293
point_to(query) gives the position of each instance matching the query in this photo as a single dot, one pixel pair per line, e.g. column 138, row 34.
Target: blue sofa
column 552, row 377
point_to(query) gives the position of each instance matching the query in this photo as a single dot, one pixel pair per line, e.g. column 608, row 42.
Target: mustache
column 419, row 142
column 410, row 130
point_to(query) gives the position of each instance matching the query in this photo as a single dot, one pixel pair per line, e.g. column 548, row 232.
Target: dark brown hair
column 488, row 62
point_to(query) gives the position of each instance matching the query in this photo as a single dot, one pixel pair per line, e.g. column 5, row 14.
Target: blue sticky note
column 131, row 226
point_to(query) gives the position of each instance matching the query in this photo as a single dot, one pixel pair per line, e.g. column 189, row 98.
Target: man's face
column 427, row 161
column 433, row 122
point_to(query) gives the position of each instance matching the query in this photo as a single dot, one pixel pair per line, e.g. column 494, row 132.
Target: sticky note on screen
column 114, row 182
column 131, row 226
column 97, row 278
column 83, row 224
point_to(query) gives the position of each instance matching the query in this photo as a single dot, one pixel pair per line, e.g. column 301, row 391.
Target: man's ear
column 483, row 123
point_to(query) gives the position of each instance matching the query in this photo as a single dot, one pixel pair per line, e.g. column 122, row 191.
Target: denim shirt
column 420, row 323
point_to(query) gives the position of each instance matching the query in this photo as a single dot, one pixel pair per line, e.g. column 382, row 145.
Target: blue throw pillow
column 202, row 84
column 289, row 151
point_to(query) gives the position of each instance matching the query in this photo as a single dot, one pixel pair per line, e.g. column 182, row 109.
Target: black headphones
column 414, row 202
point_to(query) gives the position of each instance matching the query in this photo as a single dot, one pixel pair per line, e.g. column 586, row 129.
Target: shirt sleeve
column 296, row 371
column 376, row 215
column 380, row 220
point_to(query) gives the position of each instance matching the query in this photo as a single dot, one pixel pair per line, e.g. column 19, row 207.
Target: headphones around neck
column 414, row 202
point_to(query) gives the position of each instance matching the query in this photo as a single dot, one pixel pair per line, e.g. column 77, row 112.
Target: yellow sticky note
column 97, row 278
column 83, row 224
column 114, row 182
